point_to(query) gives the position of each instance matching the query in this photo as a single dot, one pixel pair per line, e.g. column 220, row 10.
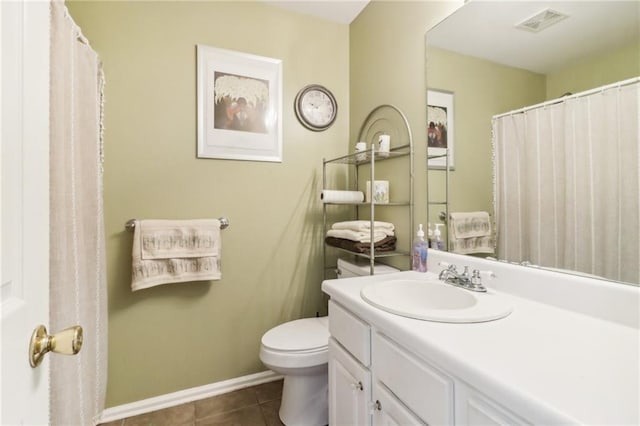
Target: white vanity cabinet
column 349, row 375
column 374, row 380
column 349, row 388
column 422, row 388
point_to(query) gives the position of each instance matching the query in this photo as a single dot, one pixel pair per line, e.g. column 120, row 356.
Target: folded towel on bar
column 470, row 233
column 358, row 236
column 175, row 251
column 384, row 245
column 470, row 224
column 364, row 225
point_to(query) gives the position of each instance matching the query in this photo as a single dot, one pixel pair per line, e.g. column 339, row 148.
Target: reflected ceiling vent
column 541, row 20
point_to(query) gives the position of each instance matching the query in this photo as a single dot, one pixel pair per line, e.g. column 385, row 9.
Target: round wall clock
column 316, row 107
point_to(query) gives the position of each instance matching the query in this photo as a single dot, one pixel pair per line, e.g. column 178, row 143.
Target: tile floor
column 254, row 406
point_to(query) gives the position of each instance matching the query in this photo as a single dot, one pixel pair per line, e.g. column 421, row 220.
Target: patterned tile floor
column 254, row 406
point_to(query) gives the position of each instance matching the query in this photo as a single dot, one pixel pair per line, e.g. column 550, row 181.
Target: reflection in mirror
column 492, row 68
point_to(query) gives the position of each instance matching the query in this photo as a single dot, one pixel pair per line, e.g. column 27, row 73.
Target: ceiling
column 339, row 11
column 486, row 29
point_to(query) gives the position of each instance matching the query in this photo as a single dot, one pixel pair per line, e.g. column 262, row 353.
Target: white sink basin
column 433, row 300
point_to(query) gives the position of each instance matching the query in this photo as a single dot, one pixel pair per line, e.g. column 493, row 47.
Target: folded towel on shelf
column 175, row 251
column 470, row 224
column 470, row 233
column 384, row 245
column 358, row 236
column 365, row 225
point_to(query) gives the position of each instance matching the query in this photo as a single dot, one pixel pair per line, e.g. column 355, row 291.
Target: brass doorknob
column 67, row 342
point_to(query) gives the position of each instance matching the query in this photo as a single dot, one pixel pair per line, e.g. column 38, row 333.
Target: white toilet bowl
column 298, row 350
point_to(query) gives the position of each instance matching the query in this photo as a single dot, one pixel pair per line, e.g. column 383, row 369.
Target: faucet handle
column 476, row 280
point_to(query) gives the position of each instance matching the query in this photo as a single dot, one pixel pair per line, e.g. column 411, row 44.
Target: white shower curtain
column 567, row 183
column 77, row 260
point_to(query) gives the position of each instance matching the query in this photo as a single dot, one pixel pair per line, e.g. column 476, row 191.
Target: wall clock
column 316, row 107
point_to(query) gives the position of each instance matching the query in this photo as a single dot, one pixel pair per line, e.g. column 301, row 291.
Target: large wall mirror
column 567, row 49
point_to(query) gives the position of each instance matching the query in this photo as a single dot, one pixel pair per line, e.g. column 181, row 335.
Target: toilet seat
column 296, row 344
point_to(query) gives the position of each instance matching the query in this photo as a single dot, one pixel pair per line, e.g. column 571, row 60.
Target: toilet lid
column 299, row 335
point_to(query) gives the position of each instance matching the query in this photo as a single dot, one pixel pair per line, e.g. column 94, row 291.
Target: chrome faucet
column 473, row 282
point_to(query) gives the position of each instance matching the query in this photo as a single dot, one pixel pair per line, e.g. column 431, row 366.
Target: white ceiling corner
column 340, row 11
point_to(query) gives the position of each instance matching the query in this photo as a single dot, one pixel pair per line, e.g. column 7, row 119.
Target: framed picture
column 440, row 129
column 239, row 105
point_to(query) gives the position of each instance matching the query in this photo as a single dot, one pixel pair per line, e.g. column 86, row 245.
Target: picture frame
column 440, row 129
column 239, row 97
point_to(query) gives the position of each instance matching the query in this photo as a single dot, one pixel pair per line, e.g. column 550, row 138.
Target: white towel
column 175, row 251
column 358, row 236
column 470, row 233
column 470, row 224
column 365, row 225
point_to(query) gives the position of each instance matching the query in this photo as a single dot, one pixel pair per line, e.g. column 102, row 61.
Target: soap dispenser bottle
column 429, row 235
column 420, row 252
column 437, row 239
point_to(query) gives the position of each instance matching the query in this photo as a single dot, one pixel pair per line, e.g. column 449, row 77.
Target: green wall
column 387, row 66
column 481, row 90
column 588, row 73
column 179, row 336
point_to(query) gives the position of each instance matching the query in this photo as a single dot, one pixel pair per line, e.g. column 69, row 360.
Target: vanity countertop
column 548, row 364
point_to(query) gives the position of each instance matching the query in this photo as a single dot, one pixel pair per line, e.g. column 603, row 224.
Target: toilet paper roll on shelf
column 346, row 197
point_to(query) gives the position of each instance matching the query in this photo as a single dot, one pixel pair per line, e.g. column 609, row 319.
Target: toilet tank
column 361, row 268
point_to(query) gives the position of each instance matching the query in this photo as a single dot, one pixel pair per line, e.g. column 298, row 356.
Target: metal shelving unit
column 384, row 119
column 443, row 205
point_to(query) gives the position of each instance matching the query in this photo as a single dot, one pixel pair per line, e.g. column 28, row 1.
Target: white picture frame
column 440, row 129
column 239, row 97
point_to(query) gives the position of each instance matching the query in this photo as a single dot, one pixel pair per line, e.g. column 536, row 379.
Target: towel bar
column 131, row 223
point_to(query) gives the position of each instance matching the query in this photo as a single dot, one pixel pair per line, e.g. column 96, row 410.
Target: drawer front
column 352, row 333
column 422, row 388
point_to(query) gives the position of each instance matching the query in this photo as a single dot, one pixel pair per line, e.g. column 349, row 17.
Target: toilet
column 298, row 350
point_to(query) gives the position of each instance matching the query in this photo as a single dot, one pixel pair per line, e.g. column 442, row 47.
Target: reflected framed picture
column 440, row 129
column 239, row 99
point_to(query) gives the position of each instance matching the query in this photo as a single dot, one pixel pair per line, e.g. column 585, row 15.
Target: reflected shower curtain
column 78, row 293
column 567, row 184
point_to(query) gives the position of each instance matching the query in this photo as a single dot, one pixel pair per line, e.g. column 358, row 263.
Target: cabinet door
column 388, row 411
column 349, row 388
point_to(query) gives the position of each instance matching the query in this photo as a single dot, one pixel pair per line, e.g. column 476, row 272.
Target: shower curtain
column 567, row 183
column 77, row 260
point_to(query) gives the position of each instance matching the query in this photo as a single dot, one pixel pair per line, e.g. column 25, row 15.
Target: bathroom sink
column 433, row 300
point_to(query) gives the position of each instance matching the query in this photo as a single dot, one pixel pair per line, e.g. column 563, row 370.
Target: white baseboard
column 188, row 395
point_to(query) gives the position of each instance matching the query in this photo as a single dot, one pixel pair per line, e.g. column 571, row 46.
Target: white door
column 24, row 213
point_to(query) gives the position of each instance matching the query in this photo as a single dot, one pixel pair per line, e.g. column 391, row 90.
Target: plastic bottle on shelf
column 420, row 252
column 437, row 239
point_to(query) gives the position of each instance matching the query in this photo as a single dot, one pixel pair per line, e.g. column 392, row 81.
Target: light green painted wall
column 179, row 336
column 481, row 90
column 387, row 66
column 588, row 73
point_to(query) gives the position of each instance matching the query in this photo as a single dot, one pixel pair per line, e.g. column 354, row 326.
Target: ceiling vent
column 541, row 20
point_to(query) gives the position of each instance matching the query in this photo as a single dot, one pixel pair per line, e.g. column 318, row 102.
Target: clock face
column 316, row 107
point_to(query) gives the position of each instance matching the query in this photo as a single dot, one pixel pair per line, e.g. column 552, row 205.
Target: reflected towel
column 174, row 251
column 470, row 224
column 472, row 245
